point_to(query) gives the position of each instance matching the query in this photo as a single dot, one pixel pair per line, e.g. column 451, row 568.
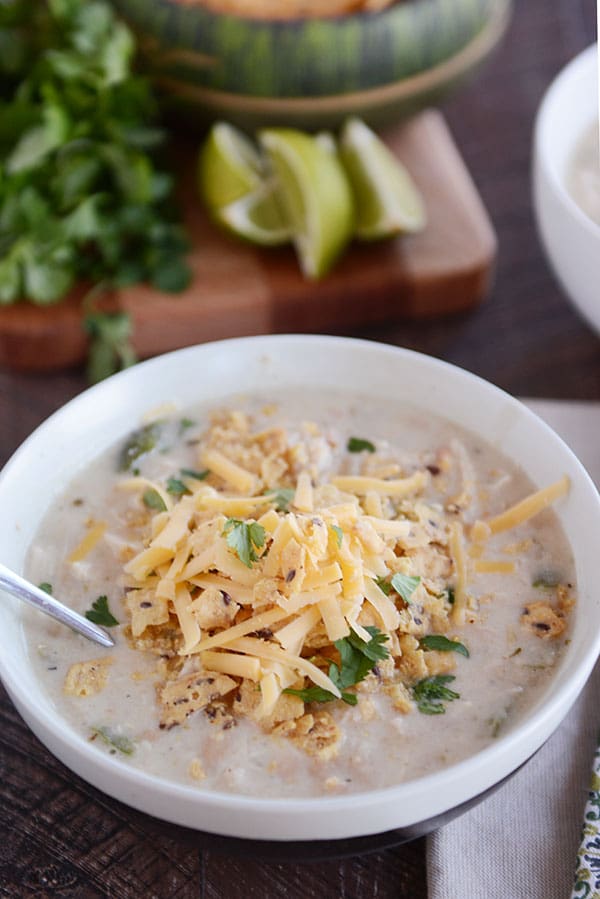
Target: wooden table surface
column 59, row 837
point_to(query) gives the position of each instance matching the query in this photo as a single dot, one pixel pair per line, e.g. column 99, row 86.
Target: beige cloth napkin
column 522, row 842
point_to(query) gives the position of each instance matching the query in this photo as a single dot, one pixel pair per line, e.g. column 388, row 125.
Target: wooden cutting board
column 239, row 289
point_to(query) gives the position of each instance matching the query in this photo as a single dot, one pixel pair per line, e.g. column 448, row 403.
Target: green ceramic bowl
column 313, row 73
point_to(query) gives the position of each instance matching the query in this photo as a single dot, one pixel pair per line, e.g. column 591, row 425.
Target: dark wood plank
column 60, row 837
column 387, row 875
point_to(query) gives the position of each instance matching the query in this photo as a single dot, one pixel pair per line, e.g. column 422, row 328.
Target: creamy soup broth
column 509, row 662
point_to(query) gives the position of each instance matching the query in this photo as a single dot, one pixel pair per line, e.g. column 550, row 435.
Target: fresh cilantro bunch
column 81, row 196
column 357, row 659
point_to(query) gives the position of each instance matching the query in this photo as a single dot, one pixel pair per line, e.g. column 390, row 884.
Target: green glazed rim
column 303, row 60
column 428, row 81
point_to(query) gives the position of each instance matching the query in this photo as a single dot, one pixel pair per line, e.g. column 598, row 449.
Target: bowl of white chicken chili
column 351, row 588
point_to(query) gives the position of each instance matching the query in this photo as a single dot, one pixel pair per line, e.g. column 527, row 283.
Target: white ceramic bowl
column 571, row 239
column 41, row 468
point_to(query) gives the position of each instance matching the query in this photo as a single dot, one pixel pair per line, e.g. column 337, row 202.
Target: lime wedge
column 315, row 196
column 387, row 199
column 257, row 217
column 326, row 140
column 229, row 167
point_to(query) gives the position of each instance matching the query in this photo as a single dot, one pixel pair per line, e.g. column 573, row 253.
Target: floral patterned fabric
column 587, row 873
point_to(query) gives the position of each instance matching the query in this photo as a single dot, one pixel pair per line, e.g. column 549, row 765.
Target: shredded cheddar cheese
column 258, row 572
column 93, row 536
column 528, row 507
column 494, row 566
column 460, row 566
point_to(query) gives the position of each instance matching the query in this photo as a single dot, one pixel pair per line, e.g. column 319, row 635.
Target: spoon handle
column 22, row 589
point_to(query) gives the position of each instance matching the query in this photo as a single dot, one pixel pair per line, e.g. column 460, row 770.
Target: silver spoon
column 22, row 589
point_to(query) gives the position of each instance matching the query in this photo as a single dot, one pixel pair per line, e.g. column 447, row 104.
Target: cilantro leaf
column 153, row 500
column 195, row 475
column 282, row 497
column 357, row 659
column 81, row 196
column 243, row 537
column 46, row 587
column 339, row 534
column 118, row 741
column 100, row 613
column 349, row 698
column 10, row 279
column 374, row 648
column 431, row 693
column 405, row 586
column 358, row 444
column 176, row 487
column 38, row 142
column 110, row 349
column 546, row 580
column 170, row 275
column 138, row 444
column 384, row 585
column 318, row 694
column 443, row 644
column 354, row 665
column 312, row 694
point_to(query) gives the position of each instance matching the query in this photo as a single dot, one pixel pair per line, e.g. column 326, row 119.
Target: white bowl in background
column 69, row 440
column 571, row 239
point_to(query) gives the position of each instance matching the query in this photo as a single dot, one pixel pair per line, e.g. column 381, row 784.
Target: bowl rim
column 587, row 58
column 271, row 810
column 449, row 69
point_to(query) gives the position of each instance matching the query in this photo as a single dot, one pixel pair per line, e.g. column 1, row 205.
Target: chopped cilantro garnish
column 139, row 443
column 449, row 593
column 358, row 444
column 176, row 487
column 185, row 424
column 443, row 644
column 154, row 500
column 46, row 587
column 243, row 537
column 100, row 613
column 339, row 534
column 118, row 741
column 192, row 473
column 546, row 580
column 431, row 693
column 495, row 726
column 373, row 650
column 318, row 694
column 357, row 658
column 384, row 585
column 405, row 586
column 281, row 497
